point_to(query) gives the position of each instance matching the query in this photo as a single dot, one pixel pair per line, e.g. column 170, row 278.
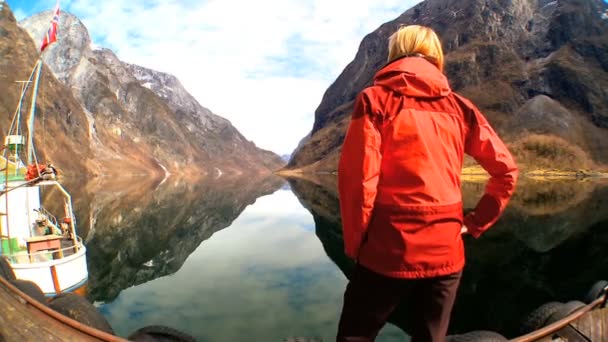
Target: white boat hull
column 56, row 276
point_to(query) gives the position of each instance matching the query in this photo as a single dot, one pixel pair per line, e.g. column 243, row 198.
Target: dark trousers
column 370, row 298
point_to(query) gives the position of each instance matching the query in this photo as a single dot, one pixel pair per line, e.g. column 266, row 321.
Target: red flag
column 51, row 34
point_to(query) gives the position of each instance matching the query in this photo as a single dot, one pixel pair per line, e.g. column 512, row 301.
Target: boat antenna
column 24, row 86
column 24, row 89
column 15, row 123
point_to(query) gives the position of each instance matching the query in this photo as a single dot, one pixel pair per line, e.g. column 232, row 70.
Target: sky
column 264, row 65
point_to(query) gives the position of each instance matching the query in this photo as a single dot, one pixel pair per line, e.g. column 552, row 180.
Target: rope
column 50, row 313
column 562, row 323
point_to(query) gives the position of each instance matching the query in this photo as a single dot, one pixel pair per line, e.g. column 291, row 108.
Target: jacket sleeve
column 358, row 174
column 483, row 144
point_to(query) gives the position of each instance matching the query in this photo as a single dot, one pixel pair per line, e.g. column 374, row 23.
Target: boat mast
column 15, row 128
column 30, row 125
column 13, row 139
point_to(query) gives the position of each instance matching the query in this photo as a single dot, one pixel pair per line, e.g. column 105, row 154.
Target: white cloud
column 264, row 65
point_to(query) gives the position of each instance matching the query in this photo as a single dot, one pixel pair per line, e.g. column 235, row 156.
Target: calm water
column 261, row 259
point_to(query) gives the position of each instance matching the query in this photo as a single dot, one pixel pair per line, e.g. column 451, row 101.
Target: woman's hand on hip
column 464, row 230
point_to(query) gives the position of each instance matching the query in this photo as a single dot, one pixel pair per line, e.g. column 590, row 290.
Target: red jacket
column 399, row 173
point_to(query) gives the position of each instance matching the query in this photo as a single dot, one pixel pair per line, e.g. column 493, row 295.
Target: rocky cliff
column 212, row 133
column 532, row 66
column 131, row 120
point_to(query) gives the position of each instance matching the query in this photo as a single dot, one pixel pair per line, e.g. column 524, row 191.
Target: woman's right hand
column 464, row 230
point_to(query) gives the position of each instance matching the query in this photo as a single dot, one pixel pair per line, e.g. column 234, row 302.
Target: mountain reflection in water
column 241, row 259
column 218, row 259
column 141, row 231
column 549, row 245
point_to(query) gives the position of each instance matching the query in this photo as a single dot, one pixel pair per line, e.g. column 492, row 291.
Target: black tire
column 6, row 271
column 564, row 311
column 79, row 309
column 598, row 289
column 159, row 333
column 477, row 336
column 30, row 288
column 539, row 317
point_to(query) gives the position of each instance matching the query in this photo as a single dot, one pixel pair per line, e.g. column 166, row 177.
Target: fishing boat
column 37, row 224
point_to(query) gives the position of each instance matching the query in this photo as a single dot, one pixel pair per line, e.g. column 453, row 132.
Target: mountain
column 537, row 69
column 212, row 133
column 132, row 120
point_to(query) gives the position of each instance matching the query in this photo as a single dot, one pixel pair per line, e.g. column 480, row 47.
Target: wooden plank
column 571, row 334
column 21, row 321
column 594, row 325
column 44, row 238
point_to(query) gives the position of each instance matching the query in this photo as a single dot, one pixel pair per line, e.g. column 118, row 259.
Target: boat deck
column 21, row 320
column 593, row 326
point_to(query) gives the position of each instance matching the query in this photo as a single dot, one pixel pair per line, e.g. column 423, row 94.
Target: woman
column 400, row 195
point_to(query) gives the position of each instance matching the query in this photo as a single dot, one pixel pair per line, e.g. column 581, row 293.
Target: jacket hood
column 415, row 77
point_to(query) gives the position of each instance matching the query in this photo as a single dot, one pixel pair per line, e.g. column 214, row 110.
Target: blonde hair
column 413, row 40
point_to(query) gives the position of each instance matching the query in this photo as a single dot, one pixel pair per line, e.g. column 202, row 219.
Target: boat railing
column 25, row 257
column 48, row 216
